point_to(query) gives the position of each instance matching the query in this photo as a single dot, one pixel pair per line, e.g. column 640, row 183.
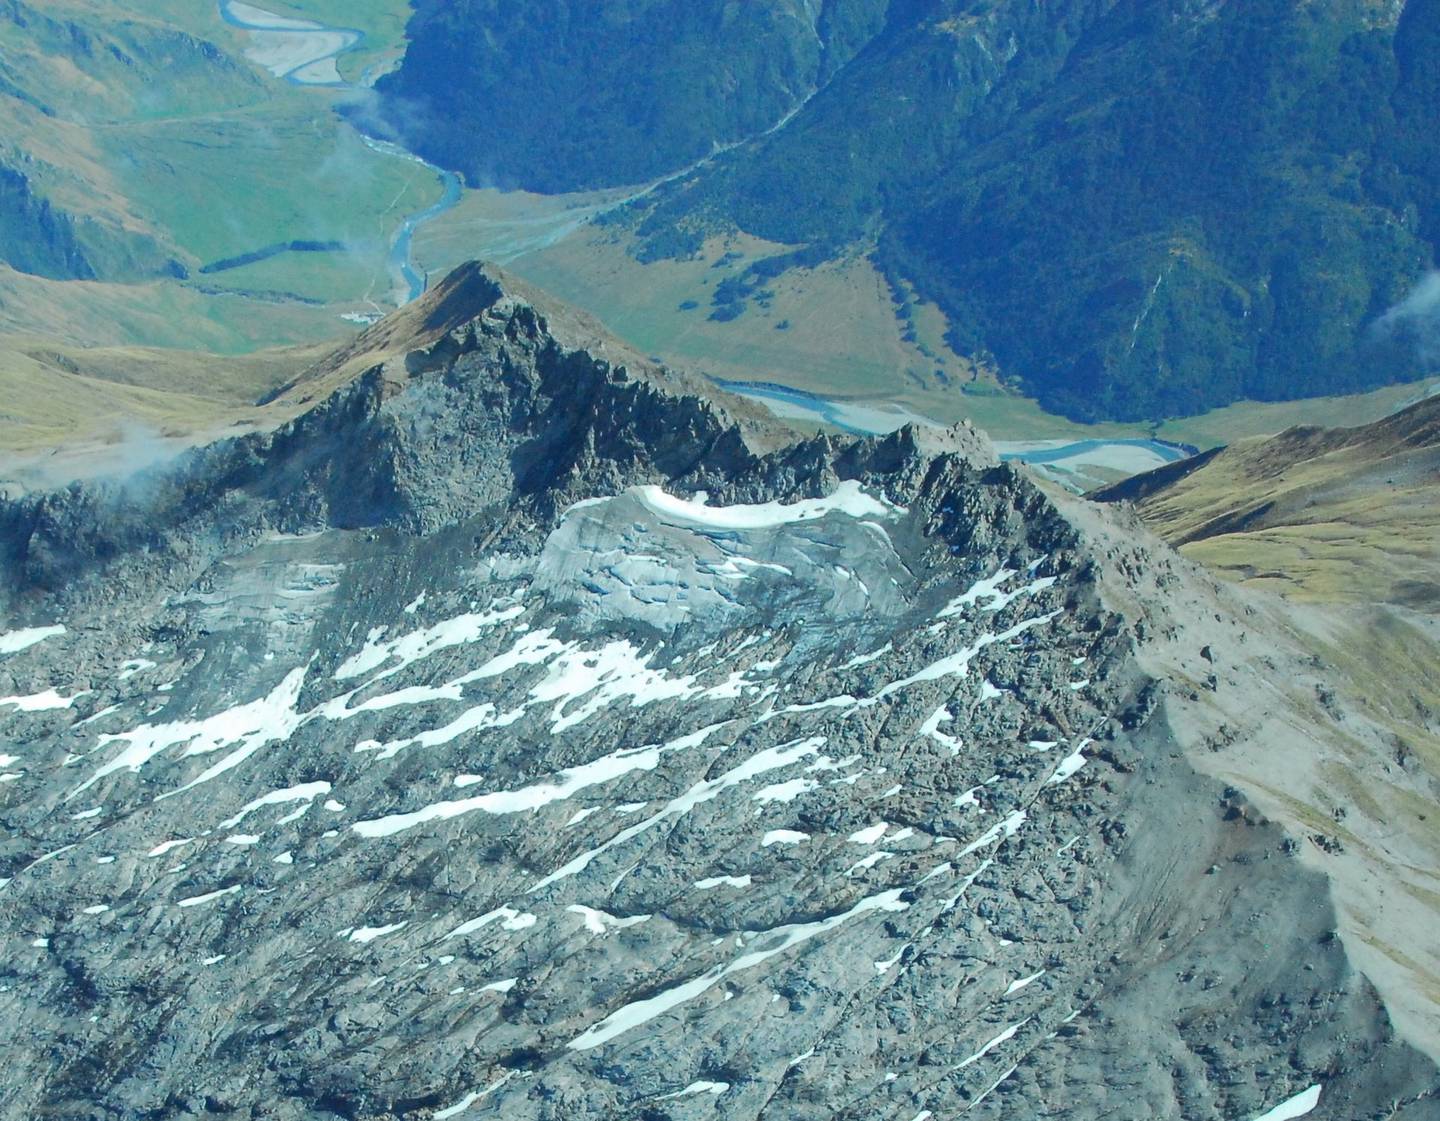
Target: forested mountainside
column 1136, row 208
column 573, row 93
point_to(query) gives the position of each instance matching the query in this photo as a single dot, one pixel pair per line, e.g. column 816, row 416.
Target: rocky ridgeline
column 515, row 736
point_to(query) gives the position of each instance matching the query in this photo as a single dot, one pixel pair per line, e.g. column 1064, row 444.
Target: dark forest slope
column 1137, row 208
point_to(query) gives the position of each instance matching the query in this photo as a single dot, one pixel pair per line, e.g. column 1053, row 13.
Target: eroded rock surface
column 513, row 739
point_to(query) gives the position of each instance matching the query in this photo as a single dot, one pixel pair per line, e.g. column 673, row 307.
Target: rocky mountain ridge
column 515, row 733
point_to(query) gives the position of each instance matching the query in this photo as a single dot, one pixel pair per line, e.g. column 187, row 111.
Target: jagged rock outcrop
column 446, row 753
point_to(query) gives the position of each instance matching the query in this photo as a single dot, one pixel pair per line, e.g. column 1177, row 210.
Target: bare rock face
column 514, row 739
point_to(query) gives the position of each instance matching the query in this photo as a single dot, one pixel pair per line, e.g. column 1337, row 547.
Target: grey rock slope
column 448, row 753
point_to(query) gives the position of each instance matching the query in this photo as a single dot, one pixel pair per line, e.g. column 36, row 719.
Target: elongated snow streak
column 865, row 659
column 722, row 881
column 770, row 759
column 986, row 589
column 931, row 728
column 870, row 834
column 165, row 846
column 508, row 918
column 715, row 1088
column 41, row 702
column 580, row 681
column 780, row 939
column 471, row 1098
column 370, row 933
column 992, row 1088
column 1023, row 982
column 15, row 641
column 952, row 665
column 306, row 792
column 35, row 864
column 1007, row 827
column 1070, row 765
column 954, row 900
column 197, row 900
column 416, row 645
column 958, row 664
column 563, row 785
column 602, row 922
column 847, row 499
column 251, row 726
column 1004, row 1037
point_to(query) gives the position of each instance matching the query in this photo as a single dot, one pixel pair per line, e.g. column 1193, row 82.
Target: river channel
column 306, row 53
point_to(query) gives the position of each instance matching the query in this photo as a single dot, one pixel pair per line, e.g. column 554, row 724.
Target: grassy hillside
column 58, row 396
column 1336, row 515
column 149, row 148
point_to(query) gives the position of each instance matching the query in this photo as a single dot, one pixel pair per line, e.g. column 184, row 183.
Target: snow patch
column 508, row 918
column 47, row 701
column 1070, row 764
column 722, row 881
column 715, row 1088
column 12, row 642
column 605, row 769
column 602, row 922
column 416, row 645
column 847, row 499
column 784, row 791
column 870, row 834
column 776, row 941
column 370, row 933
column 306, row 792
column 251, row 726
column 197, row 900
column 762, row 762
column 1004, row 1037
column 1015, row 986
column 1298, row 1106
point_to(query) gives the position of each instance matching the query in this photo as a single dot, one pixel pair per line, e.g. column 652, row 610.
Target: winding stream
column 408, row 283
column 301, row 51
column 872, row 418
column 305, row 53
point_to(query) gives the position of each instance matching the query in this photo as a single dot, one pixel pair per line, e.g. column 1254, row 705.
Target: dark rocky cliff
column 34, row 238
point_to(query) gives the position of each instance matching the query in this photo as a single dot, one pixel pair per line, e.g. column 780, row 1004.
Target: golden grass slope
column 1324, row 514
column 68, row 410
column 55, row 396
column 1341, row 741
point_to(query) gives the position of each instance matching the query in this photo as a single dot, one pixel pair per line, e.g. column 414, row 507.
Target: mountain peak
column 543, row 741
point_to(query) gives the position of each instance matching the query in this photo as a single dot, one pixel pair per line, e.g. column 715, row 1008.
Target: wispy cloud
column 1414, row 323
